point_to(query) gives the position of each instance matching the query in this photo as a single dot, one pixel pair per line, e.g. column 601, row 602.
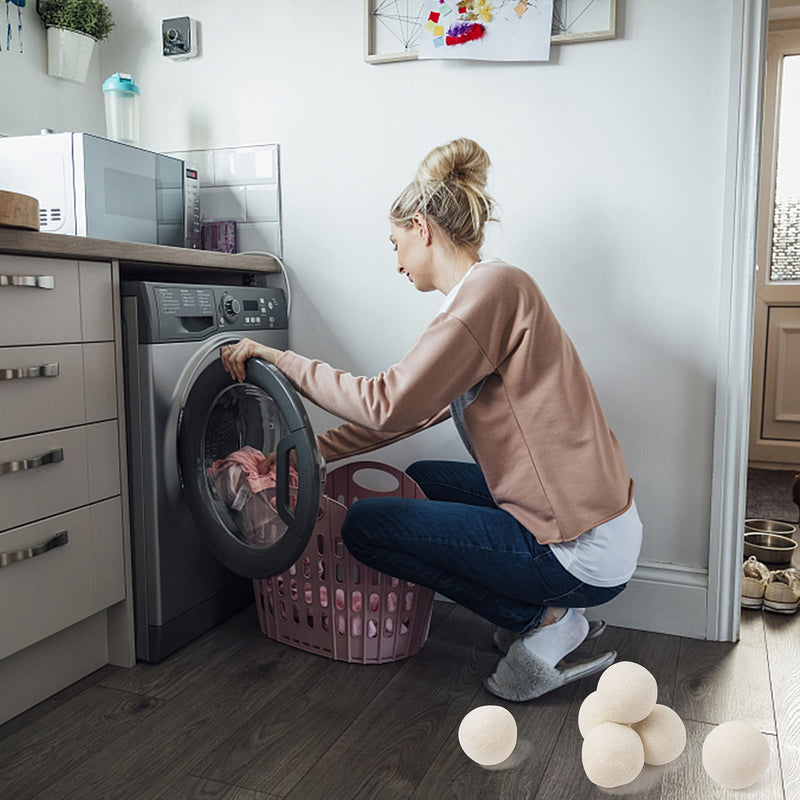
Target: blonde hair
column 450, row 189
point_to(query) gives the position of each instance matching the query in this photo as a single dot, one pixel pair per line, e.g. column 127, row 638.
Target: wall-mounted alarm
column 179, row 37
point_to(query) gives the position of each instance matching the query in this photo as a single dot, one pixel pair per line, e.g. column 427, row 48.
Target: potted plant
column 73, row 26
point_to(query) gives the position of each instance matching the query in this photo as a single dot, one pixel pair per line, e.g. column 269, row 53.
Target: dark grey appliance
column 185, row 416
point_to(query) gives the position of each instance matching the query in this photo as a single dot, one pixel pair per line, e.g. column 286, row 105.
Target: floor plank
column 718, row 681
column 391, row 745
column 57, row 742
column 281, row 740
column 783, row 648
column 192, row 787
column 190, row 725
column 191, row 664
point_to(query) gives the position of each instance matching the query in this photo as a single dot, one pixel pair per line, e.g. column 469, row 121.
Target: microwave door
column 119, row 184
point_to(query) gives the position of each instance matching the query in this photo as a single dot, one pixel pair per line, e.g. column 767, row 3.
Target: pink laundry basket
column 330, row 604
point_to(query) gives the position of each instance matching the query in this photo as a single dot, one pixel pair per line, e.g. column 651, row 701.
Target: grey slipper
column 521, row 676
column 503, row 638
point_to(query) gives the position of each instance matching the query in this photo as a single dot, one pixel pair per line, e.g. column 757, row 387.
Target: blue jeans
column 461, row 544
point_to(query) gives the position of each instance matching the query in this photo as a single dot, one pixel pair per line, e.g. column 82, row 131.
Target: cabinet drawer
column 45, row 593
column 77, row 308
column 50, row 473
column 36, row 314
column 81, row 388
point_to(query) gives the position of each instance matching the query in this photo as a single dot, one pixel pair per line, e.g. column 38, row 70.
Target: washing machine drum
column 250, row 468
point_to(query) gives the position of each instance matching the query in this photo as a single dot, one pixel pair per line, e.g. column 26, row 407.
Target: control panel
column 250, row 308
column 170, row 312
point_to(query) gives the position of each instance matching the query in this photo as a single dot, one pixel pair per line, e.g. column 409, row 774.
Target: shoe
column 502, row 639
column 782, row 594
column 754, row 581
column 522, row 676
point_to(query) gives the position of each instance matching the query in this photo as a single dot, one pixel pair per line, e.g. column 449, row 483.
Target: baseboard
column 662, row 598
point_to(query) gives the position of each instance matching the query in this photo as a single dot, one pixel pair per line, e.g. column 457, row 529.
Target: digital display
column 250, row 305
column 191, row 173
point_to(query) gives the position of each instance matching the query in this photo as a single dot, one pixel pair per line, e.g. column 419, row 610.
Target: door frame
column 732, row 406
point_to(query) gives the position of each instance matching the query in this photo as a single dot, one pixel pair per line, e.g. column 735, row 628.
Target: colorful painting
column 490, row 30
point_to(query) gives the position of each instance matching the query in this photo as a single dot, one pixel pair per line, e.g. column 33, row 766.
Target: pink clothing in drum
column 245, row 483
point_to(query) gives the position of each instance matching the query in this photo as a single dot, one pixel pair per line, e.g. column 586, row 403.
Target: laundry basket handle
column 341, row 483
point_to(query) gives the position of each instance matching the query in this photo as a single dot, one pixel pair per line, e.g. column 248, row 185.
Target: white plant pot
column 68, row 54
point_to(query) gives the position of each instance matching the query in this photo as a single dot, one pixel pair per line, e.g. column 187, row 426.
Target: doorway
column 774, row 438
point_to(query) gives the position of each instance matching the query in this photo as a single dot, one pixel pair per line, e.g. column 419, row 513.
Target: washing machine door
column 250, row 468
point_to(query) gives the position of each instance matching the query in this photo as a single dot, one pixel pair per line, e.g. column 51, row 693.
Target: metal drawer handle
column 53, row 457
column 17, row 373
column 34, row 281
column 59, row 540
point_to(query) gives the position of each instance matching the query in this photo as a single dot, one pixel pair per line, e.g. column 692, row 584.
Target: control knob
column 230, row 307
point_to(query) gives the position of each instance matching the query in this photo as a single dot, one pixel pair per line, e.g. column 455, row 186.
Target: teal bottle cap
column 120, row 82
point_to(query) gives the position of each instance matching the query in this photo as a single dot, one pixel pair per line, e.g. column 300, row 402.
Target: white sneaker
column 755, row 577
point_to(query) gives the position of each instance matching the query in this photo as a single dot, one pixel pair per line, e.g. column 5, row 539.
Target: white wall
column 31, row 100
column 609, row 168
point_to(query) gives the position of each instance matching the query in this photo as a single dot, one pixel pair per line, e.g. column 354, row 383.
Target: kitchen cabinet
column 65, row 576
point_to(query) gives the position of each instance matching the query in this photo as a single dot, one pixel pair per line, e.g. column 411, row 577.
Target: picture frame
column 392, row 27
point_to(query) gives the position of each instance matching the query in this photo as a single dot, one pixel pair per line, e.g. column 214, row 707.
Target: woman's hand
column 234, row 356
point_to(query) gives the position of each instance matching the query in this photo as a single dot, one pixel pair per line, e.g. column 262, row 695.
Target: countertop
column 139, row 256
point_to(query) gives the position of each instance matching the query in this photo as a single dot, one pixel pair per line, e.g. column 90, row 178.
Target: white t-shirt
column 605, row 555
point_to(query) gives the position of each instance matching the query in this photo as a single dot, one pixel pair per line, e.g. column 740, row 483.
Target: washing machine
column 195, row 548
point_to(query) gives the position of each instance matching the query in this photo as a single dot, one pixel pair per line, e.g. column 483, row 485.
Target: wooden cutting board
column 18, row 211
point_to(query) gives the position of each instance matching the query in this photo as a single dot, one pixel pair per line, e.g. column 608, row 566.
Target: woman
column 542, row 522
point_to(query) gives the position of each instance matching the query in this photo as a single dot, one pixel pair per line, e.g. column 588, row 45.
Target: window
column 785, row 258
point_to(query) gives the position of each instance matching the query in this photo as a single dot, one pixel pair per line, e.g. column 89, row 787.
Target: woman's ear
column 422, row 227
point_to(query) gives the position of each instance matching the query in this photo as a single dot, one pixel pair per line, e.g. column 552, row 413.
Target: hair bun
column 462, row 161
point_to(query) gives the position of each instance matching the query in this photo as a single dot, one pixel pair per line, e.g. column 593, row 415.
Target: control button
column 247, row 320
column 270, row 305
column 272, row 320
column 258, row 320
column 231, row 307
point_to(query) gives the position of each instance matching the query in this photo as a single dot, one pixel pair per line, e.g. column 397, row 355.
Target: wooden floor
column 236, row 716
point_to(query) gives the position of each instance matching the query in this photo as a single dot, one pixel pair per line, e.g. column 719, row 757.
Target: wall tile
column 260, row 237
column 222, row 203
column 240, row 165
column 261, row 203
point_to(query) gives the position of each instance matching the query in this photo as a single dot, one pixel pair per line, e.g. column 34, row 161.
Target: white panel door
column 775, row 399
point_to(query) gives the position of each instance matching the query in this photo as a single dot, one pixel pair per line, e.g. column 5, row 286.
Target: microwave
column 90, row 186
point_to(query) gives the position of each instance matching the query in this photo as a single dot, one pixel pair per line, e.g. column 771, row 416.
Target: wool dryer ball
column 627, row 692
column 612, row 755
column 663, row 735
column 735, row 754
column 590, row 714
column 488, row 735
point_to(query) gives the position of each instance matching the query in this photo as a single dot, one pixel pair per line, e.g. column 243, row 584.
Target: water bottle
column 122, row 108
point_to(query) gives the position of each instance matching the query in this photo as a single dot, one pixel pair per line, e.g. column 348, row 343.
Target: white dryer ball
column 627, row 692
column 735, row 754
column 590, row 714
column 488, row 734
column 663, row 735
column 612, row 755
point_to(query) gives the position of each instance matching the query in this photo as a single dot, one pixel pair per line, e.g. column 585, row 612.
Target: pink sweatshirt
column 536, row 428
